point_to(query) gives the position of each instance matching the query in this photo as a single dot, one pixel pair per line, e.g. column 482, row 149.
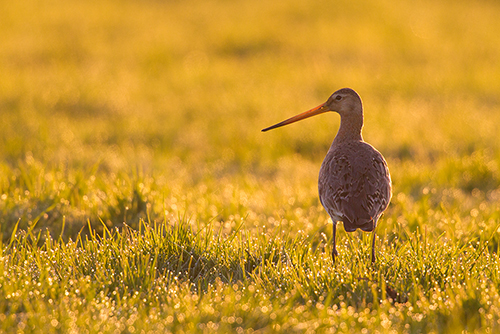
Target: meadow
column 138, row 194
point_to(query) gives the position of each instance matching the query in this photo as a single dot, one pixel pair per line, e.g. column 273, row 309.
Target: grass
column 137, row 193
column 166, row 277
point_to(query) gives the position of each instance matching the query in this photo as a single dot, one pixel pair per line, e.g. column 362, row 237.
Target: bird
column 354, row 182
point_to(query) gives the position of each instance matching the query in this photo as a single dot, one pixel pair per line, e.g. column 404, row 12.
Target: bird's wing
column 355, row 185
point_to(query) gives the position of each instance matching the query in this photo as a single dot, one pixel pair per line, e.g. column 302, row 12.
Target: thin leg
column 373, row 246
column 334, row 250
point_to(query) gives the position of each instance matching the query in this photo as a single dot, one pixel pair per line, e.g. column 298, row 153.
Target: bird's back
column 354, row 185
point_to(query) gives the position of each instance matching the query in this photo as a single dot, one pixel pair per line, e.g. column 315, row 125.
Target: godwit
column 354, row 181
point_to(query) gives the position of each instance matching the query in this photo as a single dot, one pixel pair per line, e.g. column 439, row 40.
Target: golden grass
column 122, row 110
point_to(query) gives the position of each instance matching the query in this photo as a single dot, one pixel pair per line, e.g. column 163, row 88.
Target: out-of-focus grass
column 114, row 112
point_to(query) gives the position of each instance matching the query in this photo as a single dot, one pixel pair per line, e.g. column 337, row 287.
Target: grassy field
column 138, row 195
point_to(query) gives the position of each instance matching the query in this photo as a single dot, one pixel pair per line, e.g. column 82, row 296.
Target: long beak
column 313, row 112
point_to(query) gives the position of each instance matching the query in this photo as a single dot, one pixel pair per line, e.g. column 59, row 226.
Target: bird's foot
column 334, row 254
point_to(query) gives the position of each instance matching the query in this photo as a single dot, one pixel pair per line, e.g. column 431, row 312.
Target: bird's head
column 345, row 101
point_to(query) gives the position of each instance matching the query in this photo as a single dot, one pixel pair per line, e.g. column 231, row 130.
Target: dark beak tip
column 268, row 128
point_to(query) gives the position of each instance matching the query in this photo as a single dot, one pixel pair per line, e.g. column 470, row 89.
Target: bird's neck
column 350, row 129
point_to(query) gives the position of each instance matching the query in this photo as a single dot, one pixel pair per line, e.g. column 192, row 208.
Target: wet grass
column 169, row 278
column 137, row 193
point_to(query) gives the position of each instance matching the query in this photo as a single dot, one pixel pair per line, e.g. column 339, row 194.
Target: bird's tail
column 367, row 225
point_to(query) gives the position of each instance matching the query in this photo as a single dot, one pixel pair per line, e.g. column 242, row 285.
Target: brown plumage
column 354, row 181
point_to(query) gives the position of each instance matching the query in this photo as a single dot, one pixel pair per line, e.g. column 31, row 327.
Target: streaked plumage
column 354, row 180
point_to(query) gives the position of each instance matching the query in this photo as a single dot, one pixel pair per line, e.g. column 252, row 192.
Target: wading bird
column 354, row 181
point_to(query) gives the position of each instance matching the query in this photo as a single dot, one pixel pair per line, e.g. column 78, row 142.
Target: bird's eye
column 338, row 98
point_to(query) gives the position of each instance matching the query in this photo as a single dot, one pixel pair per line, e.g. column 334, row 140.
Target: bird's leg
column 373, row 246
column 334, row 250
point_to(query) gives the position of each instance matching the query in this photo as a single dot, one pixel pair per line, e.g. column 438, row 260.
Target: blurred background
column 118, row 111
